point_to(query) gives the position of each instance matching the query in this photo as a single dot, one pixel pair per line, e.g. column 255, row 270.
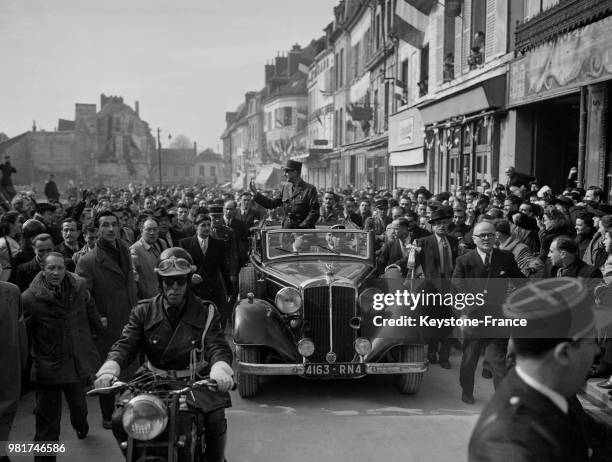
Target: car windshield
column 329, row 242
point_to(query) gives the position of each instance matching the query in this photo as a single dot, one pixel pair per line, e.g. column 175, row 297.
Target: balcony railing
column 565, row 16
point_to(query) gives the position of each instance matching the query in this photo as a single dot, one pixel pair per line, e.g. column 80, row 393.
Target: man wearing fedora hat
column 437, row 259
column 299, row 199
column 534, row 413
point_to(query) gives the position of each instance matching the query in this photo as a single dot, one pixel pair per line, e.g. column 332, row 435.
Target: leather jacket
column 149, row 330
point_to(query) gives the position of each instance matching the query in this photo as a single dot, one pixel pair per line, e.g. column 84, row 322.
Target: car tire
column 246, row 281
column 248, row 384
column 408, row 384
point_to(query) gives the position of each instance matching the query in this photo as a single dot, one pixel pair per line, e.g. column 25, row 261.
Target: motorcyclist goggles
column 170, row 280
column 174, row 266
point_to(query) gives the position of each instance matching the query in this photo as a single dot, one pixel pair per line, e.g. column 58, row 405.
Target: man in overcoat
column 208, row 256
column 107, row 270
column 60, row 316
column 13, row 356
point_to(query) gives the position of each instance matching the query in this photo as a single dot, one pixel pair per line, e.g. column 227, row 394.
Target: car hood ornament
column 330, row 270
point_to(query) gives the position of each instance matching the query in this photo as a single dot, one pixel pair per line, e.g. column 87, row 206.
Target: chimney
column 230, row 118
column 294, row 59
column 137, row 108
column 195, row 149
column 281, row 64
column 103, row 100
column 269, row 69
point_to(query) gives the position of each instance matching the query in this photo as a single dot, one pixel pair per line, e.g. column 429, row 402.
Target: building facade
column 449, row 93
column 559, row 92
column 110, row 146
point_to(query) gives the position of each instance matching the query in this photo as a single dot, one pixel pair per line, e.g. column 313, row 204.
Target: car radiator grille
column 316, row 311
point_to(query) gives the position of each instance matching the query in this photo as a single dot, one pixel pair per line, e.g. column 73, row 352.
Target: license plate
column 334, row 370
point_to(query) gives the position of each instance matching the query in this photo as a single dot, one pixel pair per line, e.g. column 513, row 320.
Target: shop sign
column 578, row 58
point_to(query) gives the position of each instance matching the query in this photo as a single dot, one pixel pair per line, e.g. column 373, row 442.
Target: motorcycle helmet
column 175, row 261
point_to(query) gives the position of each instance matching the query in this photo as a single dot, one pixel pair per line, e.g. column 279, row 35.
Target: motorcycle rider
column 168, row 328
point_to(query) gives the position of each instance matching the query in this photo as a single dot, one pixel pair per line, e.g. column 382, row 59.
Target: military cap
column 555, row 308
column 292, row 165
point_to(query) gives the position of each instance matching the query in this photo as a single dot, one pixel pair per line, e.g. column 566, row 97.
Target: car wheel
column 409, row 384
column 246, row 281
column 247, row 383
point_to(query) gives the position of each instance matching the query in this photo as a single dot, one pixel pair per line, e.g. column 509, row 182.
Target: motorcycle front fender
column 257, row 322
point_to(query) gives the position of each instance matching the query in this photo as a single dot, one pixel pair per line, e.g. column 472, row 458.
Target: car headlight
column 366, row 299
column 306, row 347
column 288, row 300
column 145, row 417
column 363, row 346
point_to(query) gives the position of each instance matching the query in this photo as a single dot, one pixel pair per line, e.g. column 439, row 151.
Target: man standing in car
column 299, row 199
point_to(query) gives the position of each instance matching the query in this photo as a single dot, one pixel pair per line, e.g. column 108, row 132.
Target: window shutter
column 467, row 35
column 490, row 33
column 438, row 52
column 458, row 45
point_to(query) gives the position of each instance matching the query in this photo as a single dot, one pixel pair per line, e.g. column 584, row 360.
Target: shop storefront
column 407, row 162
column 462, row 135
column 560, row 91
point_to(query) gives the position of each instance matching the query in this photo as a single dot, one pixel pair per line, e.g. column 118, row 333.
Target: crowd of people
column 96, row 251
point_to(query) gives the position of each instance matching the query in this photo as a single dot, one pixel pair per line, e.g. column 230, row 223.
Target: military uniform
column 300, row 204
column 521, row 424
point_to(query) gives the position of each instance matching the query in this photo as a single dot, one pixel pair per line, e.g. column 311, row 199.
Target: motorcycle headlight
column 145, row 417
column 366, row 299
column 288, row 300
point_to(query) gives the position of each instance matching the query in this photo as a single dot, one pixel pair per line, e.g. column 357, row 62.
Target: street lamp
column 159, row 156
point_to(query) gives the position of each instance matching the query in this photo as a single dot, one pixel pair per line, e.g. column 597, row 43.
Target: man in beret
column 299, row 199
column 534, row 413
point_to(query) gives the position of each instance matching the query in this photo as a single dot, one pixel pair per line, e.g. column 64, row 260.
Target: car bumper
column 299, row 369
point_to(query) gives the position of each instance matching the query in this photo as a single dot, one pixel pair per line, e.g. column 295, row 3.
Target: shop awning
column 239, row 182
column 486, row 95
column 406, row 158
column 268, row 177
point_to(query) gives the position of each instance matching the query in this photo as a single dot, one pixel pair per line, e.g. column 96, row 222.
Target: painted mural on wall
column 580, row 57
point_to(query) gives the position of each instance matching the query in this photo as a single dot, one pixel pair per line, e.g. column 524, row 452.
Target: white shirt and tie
column 446, row 258
column 203, row 244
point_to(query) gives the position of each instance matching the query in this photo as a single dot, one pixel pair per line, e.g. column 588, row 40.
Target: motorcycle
column 161, row 421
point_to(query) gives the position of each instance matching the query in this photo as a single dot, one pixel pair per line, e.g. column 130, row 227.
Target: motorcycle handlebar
column 119, row 386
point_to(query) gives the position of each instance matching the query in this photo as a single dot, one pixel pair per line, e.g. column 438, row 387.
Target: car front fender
column 256, row 322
